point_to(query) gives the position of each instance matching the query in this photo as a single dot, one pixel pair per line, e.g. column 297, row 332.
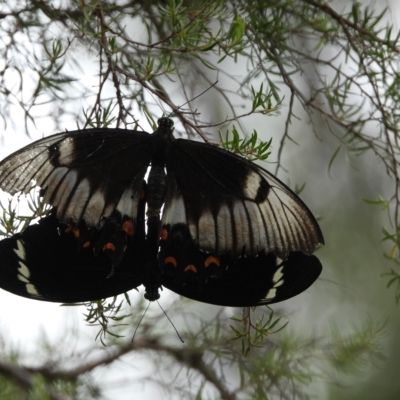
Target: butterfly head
column 151, row 292
column 165, row 125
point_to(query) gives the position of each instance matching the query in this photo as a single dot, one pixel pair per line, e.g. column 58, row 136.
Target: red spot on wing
column 212, row 260
column 171, row 260
column 128, row 227
column 163, row 234
column 190, row 267
column 109, row 246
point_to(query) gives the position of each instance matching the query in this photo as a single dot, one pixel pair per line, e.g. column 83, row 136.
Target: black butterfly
column 230, row 233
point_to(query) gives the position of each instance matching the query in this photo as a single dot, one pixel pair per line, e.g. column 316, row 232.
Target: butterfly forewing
column 232, row 205
column 85, row 174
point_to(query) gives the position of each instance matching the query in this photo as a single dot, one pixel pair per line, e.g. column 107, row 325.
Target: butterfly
column 220, row 229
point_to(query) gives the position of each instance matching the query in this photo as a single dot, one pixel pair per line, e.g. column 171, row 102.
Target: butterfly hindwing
column 227, row 281
column 54, row 262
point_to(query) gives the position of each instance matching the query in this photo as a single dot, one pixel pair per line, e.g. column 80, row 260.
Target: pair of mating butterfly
column 230, row 234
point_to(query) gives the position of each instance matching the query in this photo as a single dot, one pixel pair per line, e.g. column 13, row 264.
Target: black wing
column 46, row 262
column 223, row 281
column 233, row 206
column 227, row 223
column 85, row 174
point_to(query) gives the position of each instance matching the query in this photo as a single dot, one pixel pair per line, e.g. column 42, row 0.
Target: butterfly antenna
column 169, row 319
column 158, row 103
column 145, row 311
column 194, row 98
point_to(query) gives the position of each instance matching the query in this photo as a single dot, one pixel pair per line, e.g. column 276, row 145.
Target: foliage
column 209, row 358
column 98, row 63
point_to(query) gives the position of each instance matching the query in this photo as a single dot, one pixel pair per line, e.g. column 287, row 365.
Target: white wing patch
column 277, row 280
column 278, row 275
column 128, row 202
column 271, row 294
column 53, row 184
column 258, row 229
column 206, row 231
column 95, row 208
column 44, row 173
column 174, row 211
column 20, row 251
column 66, row 149
column 79, row 199
column 225, row 233
column 241, row 227
column 253, row 182
column 31, row 289
column 23, row 271
column 67, row 186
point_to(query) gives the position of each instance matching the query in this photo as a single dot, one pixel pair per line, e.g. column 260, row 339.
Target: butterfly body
column 228, row 230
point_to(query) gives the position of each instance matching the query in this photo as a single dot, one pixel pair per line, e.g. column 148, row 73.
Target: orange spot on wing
column 163, row 234
column 190, row 267
column 171, row 260
column 76, row 232
column 109, row 246
column 128, row 227
column 212, row 260
column 68, row 229
column 86, row 244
